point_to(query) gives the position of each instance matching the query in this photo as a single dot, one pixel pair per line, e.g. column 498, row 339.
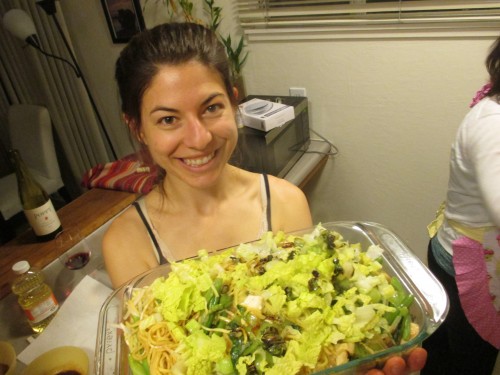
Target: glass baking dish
column 428, row 310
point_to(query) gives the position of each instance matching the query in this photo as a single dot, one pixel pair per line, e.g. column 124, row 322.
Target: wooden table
column 83, row 215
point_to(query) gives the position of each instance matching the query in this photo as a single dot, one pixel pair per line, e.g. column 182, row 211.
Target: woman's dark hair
column 166, row 44
column 493, row 67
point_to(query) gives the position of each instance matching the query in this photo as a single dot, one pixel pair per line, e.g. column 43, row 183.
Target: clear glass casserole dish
column 428, row 310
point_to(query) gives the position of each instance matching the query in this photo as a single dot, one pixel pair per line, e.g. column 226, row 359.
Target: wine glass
column 76, row 253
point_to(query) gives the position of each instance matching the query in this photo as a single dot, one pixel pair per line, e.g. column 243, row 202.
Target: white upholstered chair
column 30, row 130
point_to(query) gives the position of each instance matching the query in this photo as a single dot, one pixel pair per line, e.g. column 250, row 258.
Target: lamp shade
column 19, row 23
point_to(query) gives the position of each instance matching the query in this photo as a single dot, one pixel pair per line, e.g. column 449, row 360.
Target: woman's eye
column 214, row 108
column 169, row 120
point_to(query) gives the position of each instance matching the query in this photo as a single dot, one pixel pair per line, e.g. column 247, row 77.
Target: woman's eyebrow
column 162, row 108
column 212, row 97
column 168, row 109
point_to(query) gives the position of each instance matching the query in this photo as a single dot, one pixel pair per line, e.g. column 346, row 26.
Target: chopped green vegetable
column 138, row 367
column 272, row 307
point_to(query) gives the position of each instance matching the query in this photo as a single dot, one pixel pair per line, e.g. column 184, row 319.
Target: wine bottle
column 37, row 206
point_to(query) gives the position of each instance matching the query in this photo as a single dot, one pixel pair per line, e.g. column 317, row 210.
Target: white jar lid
column 21, row 267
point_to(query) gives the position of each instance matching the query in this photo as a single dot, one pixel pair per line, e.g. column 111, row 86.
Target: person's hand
column 397, row 365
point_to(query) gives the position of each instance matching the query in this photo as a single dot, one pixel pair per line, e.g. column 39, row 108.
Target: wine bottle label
column 43, row 219
column 43, row 310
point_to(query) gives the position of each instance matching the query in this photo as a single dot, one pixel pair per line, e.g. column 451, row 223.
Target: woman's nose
column 197, row 134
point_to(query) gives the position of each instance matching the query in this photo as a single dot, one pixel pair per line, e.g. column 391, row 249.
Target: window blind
column 296, row 16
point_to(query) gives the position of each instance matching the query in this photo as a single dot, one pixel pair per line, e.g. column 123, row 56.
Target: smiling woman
column 179, row 103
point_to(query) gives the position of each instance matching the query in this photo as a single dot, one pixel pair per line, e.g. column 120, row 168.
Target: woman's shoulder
column 486, row 108
column 126, row 247
column 124, row 227
column 482, row 124
column 283, row 188
column 289, row 205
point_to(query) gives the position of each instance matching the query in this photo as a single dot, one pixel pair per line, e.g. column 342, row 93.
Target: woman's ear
column 134, row 129
column 140, row 137
column 236, row 93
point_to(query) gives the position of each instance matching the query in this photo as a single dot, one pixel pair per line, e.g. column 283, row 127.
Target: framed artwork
column 124, row 19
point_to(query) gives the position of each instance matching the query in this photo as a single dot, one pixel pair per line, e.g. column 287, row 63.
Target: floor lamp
column 20, row 24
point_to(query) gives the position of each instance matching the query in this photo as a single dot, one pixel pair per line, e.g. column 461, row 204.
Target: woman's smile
column 198, row 161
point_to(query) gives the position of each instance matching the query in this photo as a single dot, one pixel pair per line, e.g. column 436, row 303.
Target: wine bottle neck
column 22, row 172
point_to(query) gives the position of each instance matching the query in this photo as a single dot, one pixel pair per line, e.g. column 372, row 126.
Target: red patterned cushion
column 126, row 174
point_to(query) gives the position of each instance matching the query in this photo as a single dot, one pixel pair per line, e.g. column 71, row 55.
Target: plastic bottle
column 37, row 206
column 34, row 296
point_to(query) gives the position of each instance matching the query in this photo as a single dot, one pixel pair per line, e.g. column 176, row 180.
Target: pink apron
column 478, row 290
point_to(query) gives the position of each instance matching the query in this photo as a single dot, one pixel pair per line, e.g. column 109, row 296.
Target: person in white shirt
column 464, row 253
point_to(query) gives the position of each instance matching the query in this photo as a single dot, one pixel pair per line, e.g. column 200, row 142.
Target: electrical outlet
column 297, row 91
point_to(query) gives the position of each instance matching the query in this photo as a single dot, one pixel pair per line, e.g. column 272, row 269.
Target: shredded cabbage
column 275, row 306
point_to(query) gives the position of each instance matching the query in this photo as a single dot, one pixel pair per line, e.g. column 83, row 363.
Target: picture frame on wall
column 124, row 18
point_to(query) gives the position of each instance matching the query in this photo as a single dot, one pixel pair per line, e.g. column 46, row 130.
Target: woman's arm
column 126, row 249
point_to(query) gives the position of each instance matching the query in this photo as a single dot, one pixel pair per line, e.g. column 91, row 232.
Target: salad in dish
column 286, row 304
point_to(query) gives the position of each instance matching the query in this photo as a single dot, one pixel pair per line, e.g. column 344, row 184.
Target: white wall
column 391, row 107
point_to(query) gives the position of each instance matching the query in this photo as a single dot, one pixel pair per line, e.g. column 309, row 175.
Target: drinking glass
column 76, row 253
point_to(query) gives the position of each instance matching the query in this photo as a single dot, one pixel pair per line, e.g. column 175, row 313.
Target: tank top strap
column 266, row 203
column 161, row 258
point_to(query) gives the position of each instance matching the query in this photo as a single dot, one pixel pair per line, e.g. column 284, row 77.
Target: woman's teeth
column 199, row 161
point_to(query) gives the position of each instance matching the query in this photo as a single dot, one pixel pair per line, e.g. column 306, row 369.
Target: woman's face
column 188, row 123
